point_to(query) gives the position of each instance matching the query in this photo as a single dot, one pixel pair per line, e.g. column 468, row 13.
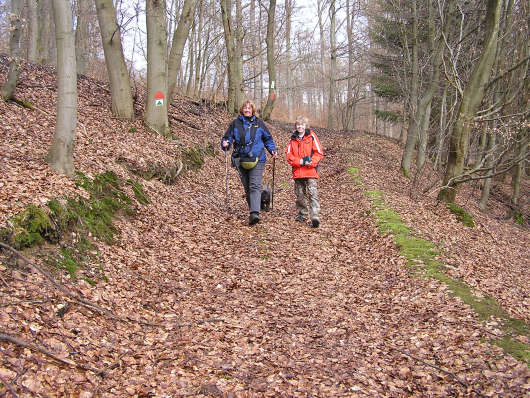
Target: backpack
column 240, row 154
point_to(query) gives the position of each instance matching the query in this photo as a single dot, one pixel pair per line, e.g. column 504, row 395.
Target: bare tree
column 33, row 30
column 120, row 86
column 271, row 62
column 156, row 102
column 81, row 36
column 15, row 50
column 60, row 154
column 471, row 97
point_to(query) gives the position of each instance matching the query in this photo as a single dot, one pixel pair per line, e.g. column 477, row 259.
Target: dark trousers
column 251, row 180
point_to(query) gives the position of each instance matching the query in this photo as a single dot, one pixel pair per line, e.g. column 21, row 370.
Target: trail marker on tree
column 159, row 99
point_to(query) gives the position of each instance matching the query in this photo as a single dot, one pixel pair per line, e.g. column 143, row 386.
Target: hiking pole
column 272, row 194
column 226, row 181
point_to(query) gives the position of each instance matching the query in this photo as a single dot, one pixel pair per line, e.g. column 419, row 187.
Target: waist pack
column 244, row 160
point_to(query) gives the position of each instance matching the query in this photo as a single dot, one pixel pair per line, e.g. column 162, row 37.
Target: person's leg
column 301, row 201
column 314, row 203
column 244, row 177
column 254, row 187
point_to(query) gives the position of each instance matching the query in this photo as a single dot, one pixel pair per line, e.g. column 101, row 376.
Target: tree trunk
column 81, row 36
column 60, row 154
column 226, row 13
column 191, row 58
column 271, row 62
column 45, row 31
column 33, row 31
column 120, row 87
column 516, row 180
column 350, row 106
column 289, row 90
column 491, row 138
column 472, row 96
column 199, row 53
column 179, row 41
column 15, row 50
column 156, row 102
column 238, row 46
column 333, row 65
column 412, row 130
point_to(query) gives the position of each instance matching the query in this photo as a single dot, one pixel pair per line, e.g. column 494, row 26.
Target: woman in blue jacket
column 250, row 137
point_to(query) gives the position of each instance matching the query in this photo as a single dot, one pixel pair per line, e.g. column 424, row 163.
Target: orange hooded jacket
column 297, row 149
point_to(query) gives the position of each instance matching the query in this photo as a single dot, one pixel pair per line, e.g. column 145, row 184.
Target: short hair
column 248, row 102
column 302, row 119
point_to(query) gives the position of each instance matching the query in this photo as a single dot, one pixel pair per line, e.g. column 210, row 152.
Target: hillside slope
column 203, row 305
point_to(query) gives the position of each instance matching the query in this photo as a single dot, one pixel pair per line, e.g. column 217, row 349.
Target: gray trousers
column 251, row 180
column 304, row 187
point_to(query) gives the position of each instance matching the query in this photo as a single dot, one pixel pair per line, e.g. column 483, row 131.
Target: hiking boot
column 315, row 222
column 300, row 219
column 253, row 219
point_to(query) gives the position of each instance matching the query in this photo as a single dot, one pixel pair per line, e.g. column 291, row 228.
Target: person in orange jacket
column 304, row 153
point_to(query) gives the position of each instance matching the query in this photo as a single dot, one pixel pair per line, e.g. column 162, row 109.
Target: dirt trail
column 282, row 309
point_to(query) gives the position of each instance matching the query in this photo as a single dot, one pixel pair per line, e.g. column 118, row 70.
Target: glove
column 306, row 160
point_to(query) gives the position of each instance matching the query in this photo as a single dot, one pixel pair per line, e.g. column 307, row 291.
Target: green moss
column 518, row 217
column 139, row 192
column 132, row 130
column 405, row 172
column 354, row 171
column 67, row 262
column 422, row 256
column 194, row 158
column 518, row 350
column 31, row 227
column 461, row 215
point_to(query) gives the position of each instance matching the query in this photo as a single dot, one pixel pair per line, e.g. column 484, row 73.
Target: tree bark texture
column 333, row 64
column 33, row 31
column 226, row 13
column 156, row 103
column 60, row 154
column 81, row 36
column 120, row 86
column 471, row 98
column 15, row 51
column 180, row 35
column 412, row 130
column 271, row 62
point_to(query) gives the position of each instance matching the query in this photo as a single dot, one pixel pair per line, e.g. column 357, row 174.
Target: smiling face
column 247, row 110
column 300, row 127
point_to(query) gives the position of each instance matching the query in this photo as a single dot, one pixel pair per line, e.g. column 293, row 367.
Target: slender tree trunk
column 45, row 30
column 238, row 75
column 60, row 154
column 33, row 31
column 333, row 65
column 472, row 96
column 442, row 125
column 491, row 138
column 179, row 41
column 191, row 59
column 516, row 181
column 198, row 52
column 289, row 77
column 350, row 106
column 15, row 50
column 226, row 13
column 81, row 36
column 120, row 86
column 271, row 62
column 322, row 93
column 156, row 102
column 412, row 136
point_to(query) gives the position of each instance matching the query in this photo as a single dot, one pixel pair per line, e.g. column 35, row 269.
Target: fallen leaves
column 280, row 309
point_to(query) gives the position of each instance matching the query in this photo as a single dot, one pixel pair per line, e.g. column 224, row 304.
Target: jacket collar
column 295, row 134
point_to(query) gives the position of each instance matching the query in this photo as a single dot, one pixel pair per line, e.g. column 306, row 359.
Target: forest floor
column 200, row 304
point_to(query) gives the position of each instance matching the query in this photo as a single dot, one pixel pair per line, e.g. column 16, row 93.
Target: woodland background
column 126, row 270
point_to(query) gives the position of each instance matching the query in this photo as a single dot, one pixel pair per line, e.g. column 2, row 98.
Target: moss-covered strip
column 422, row 258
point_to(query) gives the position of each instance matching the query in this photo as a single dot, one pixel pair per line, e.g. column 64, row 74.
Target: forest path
column 283, row 309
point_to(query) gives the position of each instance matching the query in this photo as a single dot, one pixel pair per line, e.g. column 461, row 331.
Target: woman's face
column 300, row 127
column 247, row 110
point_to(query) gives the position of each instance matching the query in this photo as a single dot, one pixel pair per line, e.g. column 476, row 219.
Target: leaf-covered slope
column 217, row 308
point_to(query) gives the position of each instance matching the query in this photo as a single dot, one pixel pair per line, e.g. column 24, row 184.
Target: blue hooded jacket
column 263, row 138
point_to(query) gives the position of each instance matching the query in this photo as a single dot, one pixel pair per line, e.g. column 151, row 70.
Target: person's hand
column 225, row 145
column 305, row 161
column 274, row 154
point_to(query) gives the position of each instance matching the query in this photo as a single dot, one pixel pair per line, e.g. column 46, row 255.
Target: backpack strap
column 243, row 133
